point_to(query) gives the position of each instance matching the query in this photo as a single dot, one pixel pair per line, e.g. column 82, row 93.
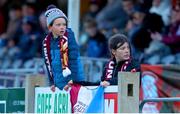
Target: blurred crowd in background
column 152, row 26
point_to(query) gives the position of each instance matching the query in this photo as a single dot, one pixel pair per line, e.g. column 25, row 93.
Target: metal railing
column 92, row 67
column 171, row 99
column 16, row 76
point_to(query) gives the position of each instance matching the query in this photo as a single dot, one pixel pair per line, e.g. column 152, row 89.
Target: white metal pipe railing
column 170, row 99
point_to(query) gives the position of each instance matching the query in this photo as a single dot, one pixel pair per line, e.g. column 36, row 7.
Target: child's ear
column 50, row 28
column 113, row 52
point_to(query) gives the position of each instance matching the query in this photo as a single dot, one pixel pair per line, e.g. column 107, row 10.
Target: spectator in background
column 172, row 39
column 11, row 50
column 91, row 13
column 162, row 8
column 93, row 10
column 128, row 6
column 143, row 24
column 8, row 39
column 15, row 21
column 28, row 9
column 43, row 30
column 111, row 18
column 27, row 42
column 135, row 22
column 96, row 44
column 121, row 60
column 136, row 33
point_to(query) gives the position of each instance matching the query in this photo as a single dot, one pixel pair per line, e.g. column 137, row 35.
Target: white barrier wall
column 47, row 101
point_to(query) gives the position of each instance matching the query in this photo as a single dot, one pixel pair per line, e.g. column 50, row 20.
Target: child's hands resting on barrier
column 66, row 87
column 104, row 83
column 53, row 88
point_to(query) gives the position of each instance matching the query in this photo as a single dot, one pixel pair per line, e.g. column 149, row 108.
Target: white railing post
column 73, row 16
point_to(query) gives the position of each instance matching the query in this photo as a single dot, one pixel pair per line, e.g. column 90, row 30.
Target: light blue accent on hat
column 53, row 14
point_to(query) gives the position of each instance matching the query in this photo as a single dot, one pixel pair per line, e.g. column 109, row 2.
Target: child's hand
column 66, row 87
column 53, row 88
column 70, row 82
column 105, row 83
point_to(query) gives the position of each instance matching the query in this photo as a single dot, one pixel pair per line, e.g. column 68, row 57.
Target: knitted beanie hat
column 53, row 13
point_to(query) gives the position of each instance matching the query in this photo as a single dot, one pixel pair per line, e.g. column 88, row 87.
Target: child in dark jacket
column 121, row 60
column 61, row 51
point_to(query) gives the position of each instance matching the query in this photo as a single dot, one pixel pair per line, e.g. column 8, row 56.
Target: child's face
column 122, row 53
column 59, row 27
